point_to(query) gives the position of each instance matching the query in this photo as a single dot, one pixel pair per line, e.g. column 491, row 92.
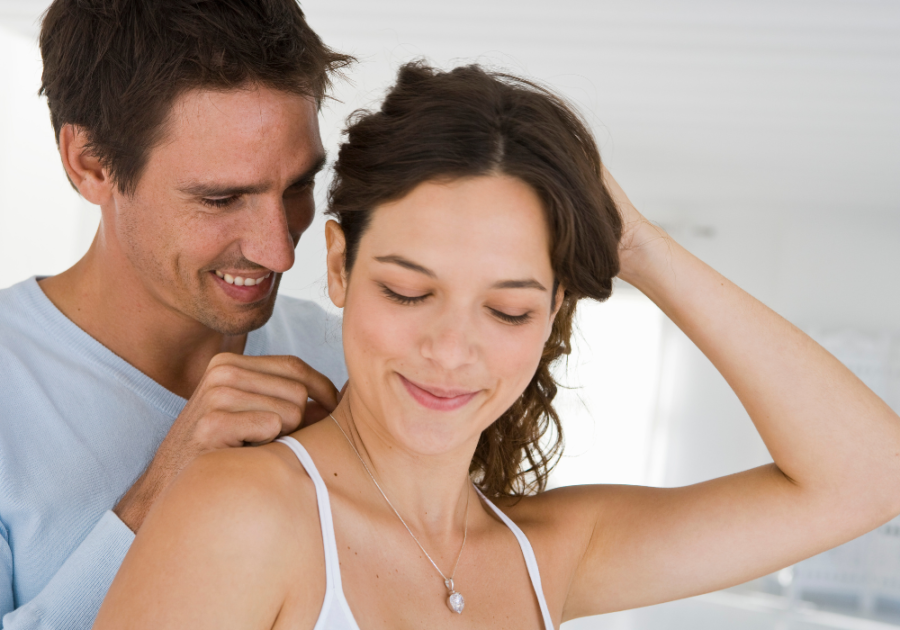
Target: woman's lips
column 439, row 400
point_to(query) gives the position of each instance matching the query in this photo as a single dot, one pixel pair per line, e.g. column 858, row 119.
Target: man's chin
column 234, row 324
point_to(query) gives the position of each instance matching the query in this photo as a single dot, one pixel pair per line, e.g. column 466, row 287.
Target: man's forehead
column 202, row 113
column 239, row 134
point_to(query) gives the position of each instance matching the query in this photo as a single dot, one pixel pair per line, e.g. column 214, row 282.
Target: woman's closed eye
column 403, row 299
column 516, row 320
column 400, row 298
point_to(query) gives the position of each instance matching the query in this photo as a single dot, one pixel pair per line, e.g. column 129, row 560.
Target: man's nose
column 273, row 231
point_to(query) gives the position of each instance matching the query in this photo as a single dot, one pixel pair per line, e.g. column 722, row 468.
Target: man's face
column 221, row 204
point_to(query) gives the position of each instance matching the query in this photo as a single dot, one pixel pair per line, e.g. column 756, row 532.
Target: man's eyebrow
column 310, row 174
column 219, row 190
column 502, row 284
column 406, row 264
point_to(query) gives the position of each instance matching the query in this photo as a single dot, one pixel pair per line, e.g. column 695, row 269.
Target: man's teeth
column 241, row 282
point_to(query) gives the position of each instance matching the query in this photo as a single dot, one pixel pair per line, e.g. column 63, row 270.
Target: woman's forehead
column 492, row 225
column 496, row 221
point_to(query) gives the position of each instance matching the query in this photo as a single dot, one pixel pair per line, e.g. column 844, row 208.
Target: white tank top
column 335, row 614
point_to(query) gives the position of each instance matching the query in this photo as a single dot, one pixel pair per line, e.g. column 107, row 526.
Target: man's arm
column 7, row 601
column 241, row 400
column 73, row 596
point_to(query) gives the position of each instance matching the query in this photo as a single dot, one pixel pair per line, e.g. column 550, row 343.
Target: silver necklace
column 455, row 600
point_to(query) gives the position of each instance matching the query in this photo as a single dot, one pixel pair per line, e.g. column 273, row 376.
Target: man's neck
column 117, row 311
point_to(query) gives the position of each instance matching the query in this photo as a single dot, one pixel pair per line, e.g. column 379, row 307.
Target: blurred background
column 765, row 136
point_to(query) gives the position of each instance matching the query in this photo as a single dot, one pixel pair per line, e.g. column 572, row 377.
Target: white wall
column 44, row 225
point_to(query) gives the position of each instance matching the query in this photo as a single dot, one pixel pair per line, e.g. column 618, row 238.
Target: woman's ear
column 557, row 304
column 337, row 251
column 558, row 301
column 85, row 171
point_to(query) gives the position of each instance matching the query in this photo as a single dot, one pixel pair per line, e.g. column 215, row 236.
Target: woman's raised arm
column 835, row 446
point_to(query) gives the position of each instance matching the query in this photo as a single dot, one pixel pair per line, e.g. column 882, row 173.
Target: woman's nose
column 451, row 343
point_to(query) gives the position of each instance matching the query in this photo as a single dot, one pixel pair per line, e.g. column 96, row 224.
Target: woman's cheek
column 514, row 355
column 376, row 330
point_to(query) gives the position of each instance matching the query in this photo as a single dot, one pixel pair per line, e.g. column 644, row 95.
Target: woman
column 472, row 213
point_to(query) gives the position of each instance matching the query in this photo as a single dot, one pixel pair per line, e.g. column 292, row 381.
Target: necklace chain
column 448, row 581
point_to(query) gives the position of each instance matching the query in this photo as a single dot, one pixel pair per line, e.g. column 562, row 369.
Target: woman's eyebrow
column 407, row 264
column 501, row 284
column 519, row 284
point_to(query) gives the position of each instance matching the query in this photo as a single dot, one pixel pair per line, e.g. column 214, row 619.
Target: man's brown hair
column 114, row 67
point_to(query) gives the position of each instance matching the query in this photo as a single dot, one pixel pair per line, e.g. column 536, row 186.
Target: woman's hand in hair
column 641, row 241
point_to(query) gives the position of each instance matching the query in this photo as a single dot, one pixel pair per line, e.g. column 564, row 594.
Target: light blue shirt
column 78, row 425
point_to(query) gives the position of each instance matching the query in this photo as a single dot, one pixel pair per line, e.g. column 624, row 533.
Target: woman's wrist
column 644, row 249
column 645, row 256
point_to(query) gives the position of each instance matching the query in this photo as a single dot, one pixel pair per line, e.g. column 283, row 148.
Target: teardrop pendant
column 455, row 601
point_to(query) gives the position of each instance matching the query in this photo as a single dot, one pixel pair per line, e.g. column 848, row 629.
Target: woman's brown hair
column 470, row 122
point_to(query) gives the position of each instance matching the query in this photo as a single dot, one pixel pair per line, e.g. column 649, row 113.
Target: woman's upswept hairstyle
column 470, row 122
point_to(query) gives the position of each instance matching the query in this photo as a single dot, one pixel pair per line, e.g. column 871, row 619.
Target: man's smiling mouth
column 242, row 281
column 247, row 289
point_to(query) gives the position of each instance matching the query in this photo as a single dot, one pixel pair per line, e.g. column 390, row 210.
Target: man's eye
column 402, row 299
column 218, row 202
column 300, row 188
column 510, row 319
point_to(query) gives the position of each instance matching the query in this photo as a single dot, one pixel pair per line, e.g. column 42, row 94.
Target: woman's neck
column 429, row 491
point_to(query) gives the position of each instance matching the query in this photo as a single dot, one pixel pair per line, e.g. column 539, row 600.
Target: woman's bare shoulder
column 563, row 523
column 251, row 497
column 253, row 493
column 235, row 535
column 570, row 516
column 571, row 504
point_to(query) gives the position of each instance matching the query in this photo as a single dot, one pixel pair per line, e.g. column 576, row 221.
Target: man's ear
column 84, row 170
column 337, row 250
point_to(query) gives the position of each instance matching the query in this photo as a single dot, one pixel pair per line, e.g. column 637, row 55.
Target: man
column 193, row 125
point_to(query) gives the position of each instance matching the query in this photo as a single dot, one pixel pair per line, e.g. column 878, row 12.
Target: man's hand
column 241, row 400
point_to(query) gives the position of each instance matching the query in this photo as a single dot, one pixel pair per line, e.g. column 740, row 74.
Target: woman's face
column 446, row 310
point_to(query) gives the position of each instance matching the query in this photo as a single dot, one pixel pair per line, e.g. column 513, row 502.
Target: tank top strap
column 334, row 591
column 530, row 559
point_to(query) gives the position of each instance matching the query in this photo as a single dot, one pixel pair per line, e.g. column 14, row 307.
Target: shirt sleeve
column 6, row 588
column 73, row 596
